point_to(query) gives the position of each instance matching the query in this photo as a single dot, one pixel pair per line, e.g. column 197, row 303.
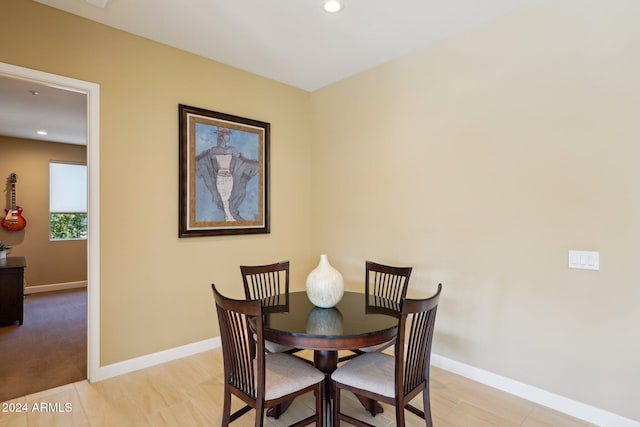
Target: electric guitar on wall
column 13, row 219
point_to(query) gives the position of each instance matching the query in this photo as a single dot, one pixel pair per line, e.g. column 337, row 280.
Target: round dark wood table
column 352, row 323
column 355, row 322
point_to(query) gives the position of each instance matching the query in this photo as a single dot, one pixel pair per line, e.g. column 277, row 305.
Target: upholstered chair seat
column 370, row 371
column 285, row 374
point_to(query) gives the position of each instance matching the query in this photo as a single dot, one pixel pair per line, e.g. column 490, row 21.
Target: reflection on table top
column 352, row 322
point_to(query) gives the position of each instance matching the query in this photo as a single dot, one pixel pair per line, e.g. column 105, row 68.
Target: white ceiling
column 27, row 107
column 291, row 41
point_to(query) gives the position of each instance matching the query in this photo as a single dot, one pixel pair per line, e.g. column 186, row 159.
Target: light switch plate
column 585, row 260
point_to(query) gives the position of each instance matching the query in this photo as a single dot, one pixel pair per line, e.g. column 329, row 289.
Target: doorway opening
column 92, row 92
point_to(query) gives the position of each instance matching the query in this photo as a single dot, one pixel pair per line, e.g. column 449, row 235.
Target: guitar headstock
column 13, row 178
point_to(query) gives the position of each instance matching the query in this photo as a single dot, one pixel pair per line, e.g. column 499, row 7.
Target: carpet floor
column 49, row 349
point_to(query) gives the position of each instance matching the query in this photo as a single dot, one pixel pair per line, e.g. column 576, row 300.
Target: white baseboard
column 562, row 404
column 54, row 287
column 109, row 371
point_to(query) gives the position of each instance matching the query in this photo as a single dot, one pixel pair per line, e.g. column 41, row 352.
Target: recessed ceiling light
column 332, row 6
column 42, row 132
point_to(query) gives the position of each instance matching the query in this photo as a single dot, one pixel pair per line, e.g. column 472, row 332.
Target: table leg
column 326, row 360
column 278, row 410
column 370, row 405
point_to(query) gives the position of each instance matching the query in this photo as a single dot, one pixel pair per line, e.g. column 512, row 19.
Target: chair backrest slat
column 263, row 281
column 385, row 281
column 415, row 329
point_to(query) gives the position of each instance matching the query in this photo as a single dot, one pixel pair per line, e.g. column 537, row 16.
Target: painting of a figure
column 225, row 174
column 224, row 163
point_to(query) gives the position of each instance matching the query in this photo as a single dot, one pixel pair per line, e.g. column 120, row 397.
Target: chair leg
column 226, row 411
column 336, row 405
column 320, row 405
column 399, row 414
column 426, row 403
column 259, row 421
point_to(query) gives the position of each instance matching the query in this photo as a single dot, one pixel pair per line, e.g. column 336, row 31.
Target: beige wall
column 47, row 262
column 155, row 287
column 481, row 161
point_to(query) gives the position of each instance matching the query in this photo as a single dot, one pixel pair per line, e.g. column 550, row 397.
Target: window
column 67, row 201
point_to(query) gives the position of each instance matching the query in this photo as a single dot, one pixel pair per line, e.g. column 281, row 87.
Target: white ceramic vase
column 325, row 286
column 3, row 254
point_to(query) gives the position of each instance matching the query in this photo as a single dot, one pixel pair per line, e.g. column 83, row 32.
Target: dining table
column 357, row 321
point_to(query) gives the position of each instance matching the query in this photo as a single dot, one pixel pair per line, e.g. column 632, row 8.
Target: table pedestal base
column 326, row 360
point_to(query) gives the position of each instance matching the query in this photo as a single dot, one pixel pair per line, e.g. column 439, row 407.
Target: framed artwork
column 224, row 174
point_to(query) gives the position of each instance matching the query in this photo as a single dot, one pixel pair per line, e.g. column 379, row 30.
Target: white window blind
column 67, row 188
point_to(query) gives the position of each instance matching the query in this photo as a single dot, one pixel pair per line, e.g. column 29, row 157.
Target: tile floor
column 188, row 392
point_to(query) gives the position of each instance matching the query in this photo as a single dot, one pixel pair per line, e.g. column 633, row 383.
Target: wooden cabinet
column 12, row 290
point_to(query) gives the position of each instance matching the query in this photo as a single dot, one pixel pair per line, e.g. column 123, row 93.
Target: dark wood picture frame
column 224, row 174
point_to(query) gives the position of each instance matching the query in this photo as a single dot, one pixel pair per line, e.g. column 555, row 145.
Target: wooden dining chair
column 268, row 283
column 269, row 379
column 395, row 379
column 385, row 286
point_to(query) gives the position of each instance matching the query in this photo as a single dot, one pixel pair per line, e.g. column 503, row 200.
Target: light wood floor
column 188, row 392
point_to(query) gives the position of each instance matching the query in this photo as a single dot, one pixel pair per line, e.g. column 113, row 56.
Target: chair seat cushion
column 379, row 347
column 286, row 374
column 273, row 347
column 371, row 371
